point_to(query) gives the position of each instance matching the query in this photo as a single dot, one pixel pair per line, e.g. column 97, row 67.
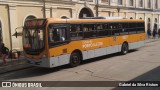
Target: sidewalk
column 15, row 64
column 152, row 40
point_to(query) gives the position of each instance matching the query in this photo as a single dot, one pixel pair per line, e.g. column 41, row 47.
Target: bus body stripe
column 64, row 59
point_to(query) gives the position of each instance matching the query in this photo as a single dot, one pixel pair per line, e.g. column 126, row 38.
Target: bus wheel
column 75, row 59
column 124, row 49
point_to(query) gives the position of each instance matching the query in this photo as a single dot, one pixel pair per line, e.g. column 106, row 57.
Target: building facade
column 13, row 13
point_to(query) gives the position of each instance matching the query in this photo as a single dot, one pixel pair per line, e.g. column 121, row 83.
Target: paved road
column 138, row 65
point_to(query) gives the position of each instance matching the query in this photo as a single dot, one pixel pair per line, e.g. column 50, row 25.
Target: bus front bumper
column 44, row 62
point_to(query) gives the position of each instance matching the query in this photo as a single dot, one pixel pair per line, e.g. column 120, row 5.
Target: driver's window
column 57, row 34
column 54, row 35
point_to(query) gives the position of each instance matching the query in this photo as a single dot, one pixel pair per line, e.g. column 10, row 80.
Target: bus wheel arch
column 75, row 58
column 124, row 48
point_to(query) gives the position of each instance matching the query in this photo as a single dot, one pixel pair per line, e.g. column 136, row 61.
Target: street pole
column 44, row 8
column 97, row 6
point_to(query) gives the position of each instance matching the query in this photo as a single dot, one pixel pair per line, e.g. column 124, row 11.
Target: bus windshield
column 33, row 38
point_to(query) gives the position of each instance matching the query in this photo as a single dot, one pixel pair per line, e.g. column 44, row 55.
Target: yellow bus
column 54, row 42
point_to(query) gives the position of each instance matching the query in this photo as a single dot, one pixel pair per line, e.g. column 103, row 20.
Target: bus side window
column 117, row 29
column 59, row 34
column 124, row 29
column 109, row 29
column 86, row 31
column 89, row 30
column 140, row 28
column 101, row 29
column 93, row 31
column 106, row 28
column 132, row 28
column 76, row 31
column 112, row 28
column 63, row 35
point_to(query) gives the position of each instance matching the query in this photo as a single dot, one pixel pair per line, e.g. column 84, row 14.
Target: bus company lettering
column 125, row 37
column 90, row 43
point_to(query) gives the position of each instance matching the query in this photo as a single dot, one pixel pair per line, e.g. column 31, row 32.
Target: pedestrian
column 159, row 33
column 149, row 33
column 154, row 34
column 4, row 52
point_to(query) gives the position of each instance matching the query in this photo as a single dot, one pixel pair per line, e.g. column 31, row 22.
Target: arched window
column 1, row 37
column 86, row 12
column 30, row 17
column 131, row 17
column 64, row 17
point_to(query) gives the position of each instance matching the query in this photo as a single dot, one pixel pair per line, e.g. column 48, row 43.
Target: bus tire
column 124, row 49
column 75, row 59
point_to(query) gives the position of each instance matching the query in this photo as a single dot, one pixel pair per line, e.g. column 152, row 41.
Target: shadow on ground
column 152, row 75
column 37, row 71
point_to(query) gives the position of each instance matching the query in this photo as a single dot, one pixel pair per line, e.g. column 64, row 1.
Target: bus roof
column 103, row 18
column 56, row 20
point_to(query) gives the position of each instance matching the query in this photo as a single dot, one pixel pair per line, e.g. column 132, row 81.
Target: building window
column 87, row 0
column 149, row 3
column 120, row 2
column 131, row 2
column 156, row 4
column 64, row 17
column 105, row 1
column 86, row 12
column 140, row 3
column 1, row 37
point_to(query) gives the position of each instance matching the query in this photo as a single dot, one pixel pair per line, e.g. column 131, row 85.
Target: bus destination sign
column 35, row 23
